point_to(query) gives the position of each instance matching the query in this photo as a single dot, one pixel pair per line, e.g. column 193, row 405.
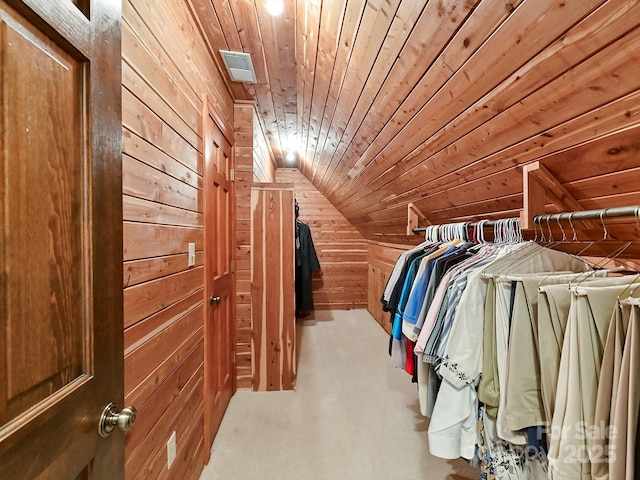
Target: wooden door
column 219, row 334
column 61, row 348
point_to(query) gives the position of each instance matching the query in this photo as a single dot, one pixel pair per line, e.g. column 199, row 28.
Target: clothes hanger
column 634, row 301
column 635, row 266
column 574, row 238
column 598, row 266
column 535, row 230
column 497, row 232
column 480, row 225
column 559, row 271
column 624, row 268
column 564, row 234
column 595, row 267
column 605, row 233
column 460, row 231
column 517, row 230
column 447, row 236
column 444, row 232
column 551, row 243
column 616, row 253
column 613, row 256
column 631, row 299
column 516, row 237
column 632, row 282
column 465, row 231
column 431, row 234
column 521, row 250
column 481, row 235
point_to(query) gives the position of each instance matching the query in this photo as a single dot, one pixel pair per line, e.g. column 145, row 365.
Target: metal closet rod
column 631, row 211
column 485, row 223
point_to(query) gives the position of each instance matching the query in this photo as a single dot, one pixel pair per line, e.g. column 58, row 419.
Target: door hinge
column 233, row 357
column 233, row 266
column 232, row 174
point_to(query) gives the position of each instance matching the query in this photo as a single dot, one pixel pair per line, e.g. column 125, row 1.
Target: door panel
column 219, row 278
column 60, row 305
column 42, row 309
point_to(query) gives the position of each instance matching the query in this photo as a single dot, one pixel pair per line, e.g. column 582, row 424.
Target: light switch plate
column 192, row 254
column 171, row 450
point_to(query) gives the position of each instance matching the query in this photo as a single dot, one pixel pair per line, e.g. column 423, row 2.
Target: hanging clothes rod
column 484, row 223
column 614, row 212
column 631, row 211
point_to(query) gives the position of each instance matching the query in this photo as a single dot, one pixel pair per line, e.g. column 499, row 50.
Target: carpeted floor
column 352, row 417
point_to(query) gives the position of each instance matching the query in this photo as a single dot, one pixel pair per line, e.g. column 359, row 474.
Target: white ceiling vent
column 239, row 66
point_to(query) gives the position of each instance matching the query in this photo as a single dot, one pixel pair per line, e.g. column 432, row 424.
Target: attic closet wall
column 166, row 68
column 341, row 249
column 253, row 164
column 382, row 258
column 167, row 65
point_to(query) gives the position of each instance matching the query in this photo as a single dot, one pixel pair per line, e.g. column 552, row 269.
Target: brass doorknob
column 112, row 417
column 214, row 299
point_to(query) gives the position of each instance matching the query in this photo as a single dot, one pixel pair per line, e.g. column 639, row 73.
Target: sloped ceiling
column 441, row 102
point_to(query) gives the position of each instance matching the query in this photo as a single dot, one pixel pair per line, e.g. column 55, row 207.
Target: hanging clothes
column 391, row 294
column 509, row 339
column 522, row 388
column 606, row 398
column 624, row 454
column 461, row 359
column 572, row 428
column 306, row 264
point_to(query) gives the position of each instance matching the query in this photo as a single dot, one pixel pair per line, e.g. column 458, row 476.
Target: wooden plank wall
column 264, row 166
column 273, row 288
column 243, row 125
column 167, row 67
column 341, row 249
column 254, row 163
column 382, row 257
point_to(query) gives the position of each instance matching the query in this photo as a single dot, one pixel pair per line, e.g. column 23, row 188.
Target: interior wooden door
column 219, row 334
column 61, row 349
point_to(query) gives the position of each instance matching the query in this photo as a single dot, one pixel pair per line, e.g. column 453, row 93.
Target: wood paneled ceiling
column 441, row 102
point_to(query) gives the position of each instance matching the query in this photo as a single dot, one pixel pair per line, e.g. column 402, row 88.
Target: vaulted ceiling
column 440, row 103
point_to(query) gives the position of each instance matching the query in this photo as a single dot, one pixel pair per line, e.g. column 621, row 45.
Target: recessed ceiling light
column 274, row 7
column 290, row 156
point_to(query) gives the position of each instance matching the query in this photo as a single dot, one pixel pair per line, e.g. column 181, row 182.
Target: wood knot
column 615, row 150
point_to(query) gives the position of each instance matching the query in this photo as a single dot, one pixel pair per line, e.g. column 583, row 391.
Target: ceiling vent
column 239, row 66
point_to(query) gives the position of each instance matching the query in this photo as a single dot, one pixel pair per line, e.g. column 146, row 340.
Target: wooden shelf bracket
column 415, row 219
column 540, row 186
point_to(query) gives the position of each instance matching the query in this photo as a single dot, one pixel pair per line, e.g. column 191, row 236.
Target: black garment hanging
column 306, row 263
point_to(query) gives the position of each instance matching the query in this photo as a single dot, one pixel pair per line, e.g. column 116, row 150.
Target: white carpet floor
column 352, row 417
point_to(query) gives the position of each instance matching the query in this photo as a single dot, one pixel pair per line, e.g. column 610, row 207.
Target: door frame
column 209, row 110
